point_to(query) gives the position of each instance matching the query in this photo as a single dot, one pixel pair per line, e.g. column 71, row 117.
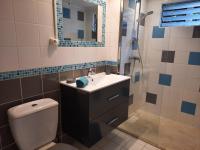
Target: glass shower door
column 143, row 119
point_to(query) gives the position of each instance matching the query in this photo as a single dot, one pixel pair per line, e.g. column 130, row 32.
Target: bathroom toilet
column 34, row 125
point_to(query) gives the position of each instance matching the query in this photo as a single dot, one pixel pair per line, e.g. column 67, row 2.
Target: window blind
column 185, row 13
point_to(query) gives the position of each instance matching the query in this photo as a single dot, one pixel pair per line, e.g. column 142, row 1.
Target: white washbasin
column 99, row 81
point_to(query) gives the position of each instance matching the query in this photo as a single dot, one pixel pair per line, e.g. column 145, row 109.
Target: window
column 185, row 13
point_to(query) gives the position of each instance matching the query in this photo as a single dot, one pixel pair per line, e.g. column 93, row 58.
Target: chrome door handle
column 113, row 97
column 113, row 121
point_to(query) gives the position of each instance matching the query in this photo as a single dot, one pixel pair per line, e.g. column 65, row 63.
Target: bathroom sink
column 99, row 81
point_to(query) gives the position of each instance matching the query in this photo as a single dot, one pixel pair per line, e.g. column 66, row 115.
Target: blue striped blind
column 185, row 13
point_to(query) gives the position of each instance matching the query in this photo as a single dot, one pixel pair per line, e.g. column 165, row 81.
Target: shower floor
column 162, row 132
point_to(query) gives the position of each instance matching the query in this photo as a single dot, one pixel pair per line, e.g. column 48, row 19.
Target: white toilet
column 34, row 125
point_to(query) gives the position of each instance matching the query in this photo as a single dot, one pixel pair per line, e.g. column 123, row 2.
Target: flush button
column 33, row 105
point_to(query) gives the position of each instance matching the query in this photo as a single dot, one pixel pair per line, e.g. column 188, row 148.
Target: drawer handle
column 112, row 121
column 113, row 97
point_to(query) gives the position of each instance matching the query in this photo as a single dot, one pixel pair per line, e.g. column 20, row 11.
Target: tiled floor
column 166, row 133
column 118, row 140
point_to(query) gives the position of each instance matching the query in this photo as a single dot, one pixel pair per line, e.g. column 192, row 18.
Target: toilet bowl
column 34, row 125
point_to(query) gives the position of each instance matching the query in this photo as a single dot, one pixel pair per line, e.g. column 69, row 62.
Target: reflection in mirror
column 80, row 20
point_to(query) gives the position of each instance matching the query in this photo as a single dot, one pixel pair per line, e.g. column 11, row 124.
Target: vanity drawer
column 109, row 97
column 107, row 122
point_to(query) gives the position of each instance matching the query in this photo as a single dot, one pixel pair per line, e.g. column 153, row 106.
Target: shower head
column 143, row 16
column 149, row 13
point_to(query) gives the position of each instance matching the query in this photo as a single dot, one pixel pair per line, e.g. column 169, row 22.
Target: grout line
column 29, row 97
column 7, row 146
column 33, row 96
column 5, row 125
column 10, row 102
column 0, row 143
column 42, row 82
column 13, row 13
column 20, row 82
column 51, row 91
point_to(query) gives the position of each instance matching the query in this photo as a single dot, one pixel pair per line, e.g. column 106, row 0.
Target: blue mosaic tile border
column 111, row 63
column 67, row 43
column 49, row 70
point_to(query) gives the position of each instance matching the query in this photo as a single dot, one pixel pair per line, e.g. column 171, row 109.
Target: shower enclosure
column 163, row 64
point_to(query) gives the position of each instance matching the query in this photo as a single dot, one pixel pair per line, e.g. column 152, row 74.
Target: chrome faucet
column 91, row 71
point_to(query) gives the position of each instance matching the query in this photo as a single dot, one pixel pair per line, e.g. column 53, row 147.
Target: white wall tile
column 85, row 55
column 6, row 10
column 27, row 34
column 194, row 44
column 29, row 57
column 158, row 44
column 192, row 84
column 8, row 59
column 45, row 13
column 45, row 33
column 179, row 44
column 57, row 56
column 170, row 102
column 100, row 54
column 47, row 1
column 193, row 71
column 153, row 56
column 181, row 32
column 25, row 11
column 8, row 34
column 181, row 57
column 33, row 22
column 179, row 74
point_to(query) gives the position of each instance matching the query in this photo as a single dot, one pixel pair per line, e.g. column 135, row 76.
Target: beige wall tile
column 25, row 11
column 8, row 59
column 29, row 57
column 45, row 13
column 27, row 34
column 6, row 10
column 34, row 26
column 8, row 34
column 45, row 33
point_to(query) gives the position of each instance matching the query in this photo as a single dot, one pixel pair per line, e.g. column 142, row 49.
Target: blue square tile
column 134, row 44
column 188, row 107
column 158, row 32
column 137, row 76
column 66, row 13
column 124, row 28
column 194, row 58
column 81, row 34
column 165, row 79
column 131, row 3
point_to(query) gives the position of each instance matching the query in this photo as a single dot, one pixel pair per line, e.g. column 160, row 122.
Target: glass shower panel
column 163, row 64
column 144, row 117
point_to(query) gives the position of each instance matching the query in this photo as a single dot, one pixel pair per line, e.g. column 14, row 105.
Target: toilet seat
column 61, row 146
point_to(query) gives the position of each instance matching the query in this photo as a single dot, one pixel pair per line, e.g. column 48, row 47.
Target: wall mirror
column 80, row 23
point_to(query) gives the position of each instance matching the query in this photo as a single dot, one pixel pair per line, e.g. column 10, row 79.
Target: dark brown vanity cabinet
column 88, row 117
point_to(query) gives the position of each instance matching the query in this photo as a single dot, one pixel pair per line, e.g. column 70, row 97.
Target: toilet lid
column 61, row 146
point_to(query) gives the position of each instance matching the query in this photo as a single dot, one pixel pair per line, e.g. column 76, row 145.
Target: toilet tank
column 34, row 124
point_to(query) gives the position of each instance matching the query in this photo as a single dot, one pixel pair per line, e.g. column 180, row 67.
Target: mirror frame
column 58, row 18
